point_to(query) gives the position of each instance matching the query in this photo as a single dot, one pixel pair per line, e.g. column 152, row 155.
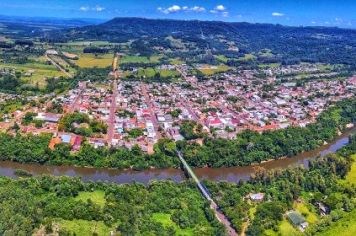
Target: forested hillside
column 286, row 44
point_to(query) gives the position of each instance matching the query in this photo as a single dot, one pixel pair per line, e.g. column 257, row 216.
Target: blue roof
column 65, row 138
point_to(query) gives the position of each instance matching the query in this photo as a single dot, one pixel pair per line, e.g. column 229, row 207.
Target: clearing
column 84, row 227
column 98, row 197
column 165, row 220
column 89, row 60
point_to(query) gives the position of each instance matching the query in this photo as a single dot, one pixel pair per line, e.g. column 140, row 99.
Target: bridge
column 218, row 214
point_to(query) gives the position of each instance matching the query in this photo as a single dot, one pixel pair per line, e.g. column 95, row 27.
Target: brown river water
column 231, row 174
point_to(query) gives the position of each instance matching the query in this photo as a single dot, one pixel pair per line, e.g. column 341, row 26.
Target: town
column 138, row 113
column 177, row 118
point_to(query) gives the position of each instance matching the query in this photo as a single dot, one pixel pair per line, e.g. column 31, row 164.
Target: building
column 256, row 196
column 297, row 220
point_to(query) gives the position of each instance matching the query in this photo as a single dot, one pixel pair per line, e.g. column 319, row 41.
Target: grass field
column 247, row 57
column 85, row 228
column 287, row 229
column 222, row 58
column 40, row 72
column 271, row 65
column 89, row 60
column 150, row 72
column 176, row 61
column 351, row 176
column 251, row 213
column 97, row 197
column 345, row 226
column 165, row 219
column 211, row 70
column 284, row 229
column 310, row 217
column 139, row 59
column 63, row 63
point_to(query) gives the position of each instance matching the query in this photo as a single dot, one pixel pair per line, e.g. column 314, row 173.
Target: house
column 48, row 117
column 66, row 138
column 54, row 141
column 51, row 52
column 323, row 209
column 215, row 123
column 96, row 142
column 297, row 220
column 77, row 142
column 256, row 196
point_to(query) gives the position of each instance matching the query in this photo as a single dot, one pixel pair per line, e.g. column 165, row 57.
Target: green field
column 284, row 229
column 222, row 58
column 150, row 72
column 247, row 57
column 351, row 176
column 139, row 59
column 310, row 217
column 40, row 72
column 97, row 197
column 89, row 60
column 85, row 228
column 211, row 70
column 345, row 226
column 176, row 61
column 271, row 65
column 165, row 220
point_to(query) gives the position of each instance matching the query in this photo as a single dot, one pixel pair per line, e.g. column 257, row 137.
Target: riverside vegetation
column 60, row 204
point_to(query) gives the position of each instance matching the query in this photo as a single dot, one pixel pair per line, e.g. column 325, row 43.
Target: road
column 218, row 214
column 151, row 109
column 112, row 112
column 59, row 67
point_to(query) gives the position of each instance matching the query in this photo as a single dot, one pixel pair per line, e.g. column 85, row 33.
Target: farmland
column 89, row 60
column 35, row 73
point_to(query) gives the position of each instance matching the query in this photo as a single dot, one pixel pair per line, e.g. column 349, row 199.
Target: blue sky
column 340, row 13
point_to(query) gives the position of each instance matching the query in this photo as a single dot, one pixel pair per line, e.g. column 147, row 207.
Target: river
column 231, row 174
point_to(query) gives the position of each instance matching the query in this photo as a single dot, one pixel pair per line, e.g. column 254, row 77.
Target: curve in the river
column 231, row 174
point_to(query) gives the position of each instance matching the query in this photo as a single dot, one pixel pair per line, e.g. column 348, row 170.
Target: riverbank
column 231, row 174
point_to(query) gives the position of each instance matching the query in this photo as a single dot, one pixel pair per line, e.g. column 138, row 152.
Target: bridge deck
column 219, row 215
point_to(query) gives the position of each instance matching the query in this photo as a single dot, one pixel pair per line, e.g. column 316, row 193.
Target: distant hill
column 290, row 44
column 49, row 21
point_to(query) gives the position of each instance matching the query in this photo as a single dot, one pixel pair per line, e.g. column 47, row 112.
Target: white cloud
column 99, row 8
column 83, row 8
column 278, row 14
column 198, row 9
column 96, row 8
column 177, row 8
column 171, row 9
column 174, row 8
column 220, row 8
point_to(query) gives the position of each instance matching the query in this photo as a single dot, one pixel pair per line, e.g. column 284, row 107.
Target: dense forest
column 248, row 147
column 52, row 203
column 288, row 45
column 321, row 183
column 166, row 208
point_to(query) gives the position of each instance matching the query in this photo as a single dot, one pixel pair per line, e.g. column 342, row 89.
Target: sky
column 340, row 13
